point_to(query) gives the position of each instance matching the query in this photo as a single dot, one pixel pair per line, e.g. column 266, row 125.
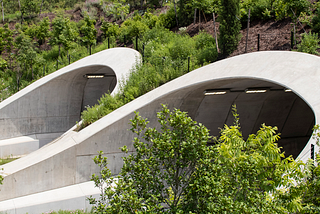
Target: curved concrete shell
column 68, row 160
column 53, row 104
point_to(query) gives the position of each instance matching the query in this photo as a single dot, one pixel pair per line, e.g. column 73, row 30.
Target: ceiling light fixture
column 94, row 76
column 287, row 90
column 215, row 92
column 255, row 90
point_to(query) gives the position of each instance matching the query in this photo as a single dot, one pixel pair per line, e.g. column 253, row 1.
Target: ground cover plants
column 6, row 160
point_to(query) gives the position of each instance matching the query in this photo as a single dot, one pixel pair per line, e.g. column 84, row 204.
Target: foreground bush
column 173, row 171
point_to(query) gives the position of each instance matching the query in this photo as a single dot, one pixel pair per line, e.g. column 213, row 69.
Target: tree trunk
column 195, row 16
column 31, row 71
column 141, row 4
column 215, row 32
column 20, row 11
column 175, row 11
column 41, row 7
column 59, row 51
column 248, row 26
column 2, row 12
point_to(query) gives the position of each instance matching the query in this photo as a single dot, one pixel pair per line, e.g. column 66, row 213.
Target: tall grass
column 165, row 58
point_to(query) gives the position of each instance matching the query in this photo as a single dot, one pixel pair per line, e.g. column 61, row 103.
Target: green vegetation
column 166, row 58
column 6, row 160
column 309, row 43
column 229, row 26
column 174, row 171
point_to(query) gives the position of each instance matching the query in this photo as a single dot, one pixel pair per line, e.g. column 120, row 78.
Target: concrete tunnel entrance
column 98, row 83
column 258, row 102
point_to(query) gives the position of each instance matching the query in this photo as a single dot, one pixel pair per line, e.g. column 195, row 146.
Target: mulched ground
column 274, row 35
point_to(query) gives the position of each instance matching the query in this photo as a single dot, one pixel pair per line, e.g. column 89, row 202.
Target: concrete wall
column 68, row 161
column 54, row 103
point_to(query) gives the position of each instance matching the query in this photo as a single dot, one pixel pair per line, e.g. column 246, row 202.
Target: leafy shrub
column 150, row 20
column 316, row 20
column 181, row 47
column 132, row 28
column 309, row 43
column 110, row 29
column 167, row 19
column 205, row 44
column 285, row 8
column 260, row 9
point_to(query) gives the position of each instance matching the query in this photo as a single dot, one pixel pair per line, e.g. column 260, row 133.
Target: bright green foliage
column 316, row 20
column 133, row 28
column 6, row 40
column 229, row 26
column 287, row 8
column 88, row 32
column 117, row 8
column 174, row 171
column 309, row 43
column 149, row 19
column 26, row 53
column 43, row 30
column 30, row 7
column 64, row 33
column 207, row 6
column 110, row 29
column 311, row 195
column 167, row 19
column 246, row 176
column 166, row 58
column 205, row 43
column 260, row 9
column 30, row 30
column 58, row 29
column 156, row 177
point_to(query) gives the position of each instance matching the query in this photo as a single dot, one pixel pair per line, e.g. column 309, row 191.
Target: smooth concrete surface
column 54, row 103
column 68, row 160
column 67, row 198
column 19, row 146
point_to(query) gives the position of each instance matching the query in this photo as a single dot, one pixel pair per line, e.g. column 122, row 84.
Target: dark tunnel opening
column 268, row 103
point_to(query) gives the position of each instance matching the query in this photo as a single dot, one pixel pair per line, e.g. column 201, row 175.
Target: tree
column 88, row 32
column 309, row 43
column 311, row 194
column 29, row 7
column 58, row 27
column 157, row 177
column 110, row 30
column 43, row 30
column 64, row 33
column 247, row 176
column 26, row 54
column 6, row 40
column 174, row 171
column 229, row 26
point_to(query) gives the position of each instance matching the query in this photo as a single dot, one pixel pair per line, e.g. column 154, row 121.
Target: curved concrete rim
column 82, row 63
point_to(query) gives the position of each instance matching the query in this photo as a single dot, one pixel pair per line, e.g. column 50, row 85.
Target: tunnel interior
column 257, row 102
column 98, row 82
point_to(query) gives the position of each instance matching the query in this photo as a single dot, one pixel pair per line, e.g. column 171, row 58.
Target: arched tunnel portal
column 257, row 102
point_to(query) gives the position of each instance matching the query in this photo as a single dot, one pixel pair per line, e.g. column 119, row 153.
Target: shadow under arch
column 274, row 107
